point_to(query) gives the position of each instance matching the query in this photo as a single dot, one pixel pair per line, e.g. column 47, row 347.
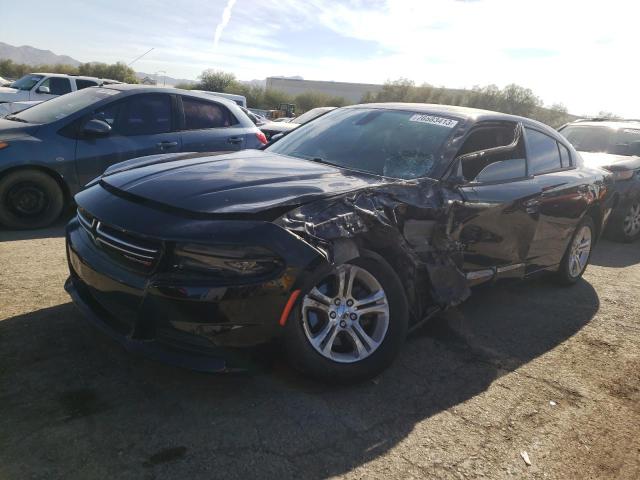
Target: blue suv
column 51, row 150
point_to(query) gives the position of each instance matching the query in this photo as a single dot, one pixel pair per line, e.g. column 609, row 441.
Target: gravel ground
column 532, row 367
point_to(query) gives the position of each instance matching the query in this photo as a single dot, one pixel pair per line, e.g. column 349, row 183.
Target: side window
column 565, row 156
column 544, row 155
column 57, row 85
column 80, row 84
column 200, row 114
column 481, row 164
column 148, row 114
column 109, row 114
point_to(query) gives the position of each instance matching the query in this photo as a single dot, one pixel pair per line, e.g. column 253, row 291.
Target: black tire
column 305, row 358
column 29, row 199
column 564, row 275
column 616, row 228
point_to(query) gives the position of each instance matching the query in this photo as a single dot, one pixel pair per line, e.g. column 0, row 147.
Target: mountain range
column 34, row 56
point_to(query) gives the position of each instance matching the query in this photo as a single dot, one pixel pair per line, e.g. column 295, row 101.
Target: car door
column 55, row 86
column 497, row 220
column 564, row 197
column 209, row 126
column 141, row 124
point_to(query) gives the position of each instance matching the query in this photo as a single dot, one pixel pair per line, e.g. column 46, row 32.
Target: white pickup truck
column 43, row 86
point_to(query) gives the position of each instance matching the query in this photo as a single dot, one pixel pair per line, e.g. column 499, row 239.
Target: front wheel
column 351, row 324
column 628, row 228
column 578, row 253
column 29, row 199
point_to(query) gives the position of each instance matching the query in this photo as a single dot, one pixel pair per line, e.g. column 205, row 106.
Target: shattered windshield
column 390, row 143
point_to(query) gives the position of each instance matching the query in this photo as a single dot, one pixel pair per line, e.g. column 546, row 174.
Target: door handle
column 234, row 140
column 165, row 145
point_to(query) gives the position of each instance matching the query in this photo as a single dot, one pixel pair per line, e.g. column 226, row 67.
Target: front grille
column 125, row 246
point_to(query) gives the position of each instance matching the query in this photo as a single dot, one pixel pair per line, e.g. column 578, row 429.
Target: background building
column 352, row 92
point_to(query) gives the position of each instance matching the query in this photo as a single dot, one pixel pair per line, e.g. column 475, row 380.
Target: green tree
column 216, row 81
column 607, row 115
column 308, row 100
column 272, row 98
column 117, row 71
column 401, row 90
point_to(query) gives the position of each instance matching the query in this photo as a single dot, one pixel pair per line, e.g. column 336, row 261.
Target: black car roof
column 612, row 124
column 465, row 113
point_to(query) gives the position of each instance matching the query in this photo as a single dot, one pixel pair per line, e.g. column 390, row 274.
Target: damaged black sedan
column 337, row 239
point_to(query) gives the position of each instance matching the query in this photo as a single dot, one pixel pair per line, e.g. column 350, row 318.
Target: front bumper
column 150, row 349
column 179, row 319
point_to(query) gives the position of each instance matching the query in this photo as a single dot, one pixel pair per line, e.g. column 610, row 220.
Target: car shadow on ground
column 616, row 254
column 55, row 230
column 77, row 406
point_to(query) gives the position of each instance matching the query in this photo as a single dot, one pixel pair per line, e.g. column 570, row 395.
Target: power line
column 138, row 58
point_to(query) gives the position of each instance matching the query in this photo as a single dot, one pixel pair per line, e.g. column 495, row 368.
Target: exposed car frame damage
column 336, row 247
column 409, row 223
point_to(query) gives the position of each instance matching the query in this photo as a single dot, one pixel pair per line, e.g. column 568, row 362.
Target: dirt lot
column 469, row 393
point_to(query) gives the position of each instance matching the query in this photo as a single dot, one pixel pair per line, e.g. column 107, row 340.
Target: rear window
column 80, row 84
column 392, row 143
column 199, row 114
column 544, row 155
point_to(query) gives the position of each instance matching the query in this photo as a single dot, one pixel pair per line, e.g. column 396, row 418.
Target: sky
column 581, row 53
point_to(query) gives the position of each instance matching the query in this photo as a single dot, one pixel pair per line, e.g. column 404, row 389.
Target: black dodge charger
column 336, row 239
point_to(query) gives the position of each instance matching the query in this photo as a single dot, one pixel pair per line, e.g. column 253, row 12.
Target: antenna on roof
column 138, row 58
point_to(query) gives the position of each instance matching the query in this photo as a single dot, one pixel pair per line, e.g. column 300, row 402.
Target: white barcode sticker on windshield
column 443, row 122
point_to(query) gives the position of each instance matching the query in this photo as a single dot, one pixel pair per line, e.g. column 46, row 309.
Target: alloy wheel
column 346, row 316
column 631, row 225
column 580, row 251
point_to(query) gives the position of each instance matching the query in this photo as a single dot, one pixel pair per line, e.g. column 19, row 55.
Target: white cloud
column 579, row 52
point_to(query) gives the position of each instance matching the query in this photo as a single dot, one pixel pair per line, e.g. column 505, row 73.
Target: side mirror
column 44, row 89
column 96, row 128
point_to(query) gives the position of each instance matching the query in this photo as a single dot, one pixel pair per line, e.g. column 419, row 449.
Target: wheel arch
column 595, row 212
column 49, row 171
column 413, row 279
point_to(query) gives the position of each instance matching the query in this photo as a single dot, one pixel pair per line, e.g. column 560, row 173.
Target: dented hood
column 246, row 182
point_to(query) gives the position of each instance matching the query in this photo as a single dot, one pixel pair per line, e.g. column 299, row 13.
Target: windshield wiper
column 13, row 118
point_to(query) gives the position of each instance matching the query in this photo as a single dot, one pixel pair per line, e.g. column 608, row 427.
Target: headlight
column 226, row 260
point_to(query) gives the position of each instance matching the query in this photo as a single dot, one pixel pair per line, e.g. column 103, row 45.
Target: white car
column 43, row 86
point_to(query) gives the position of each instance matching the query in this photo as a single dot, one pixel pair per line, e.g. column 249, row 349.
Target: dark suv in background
column 615, row 146
column 51, row 150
